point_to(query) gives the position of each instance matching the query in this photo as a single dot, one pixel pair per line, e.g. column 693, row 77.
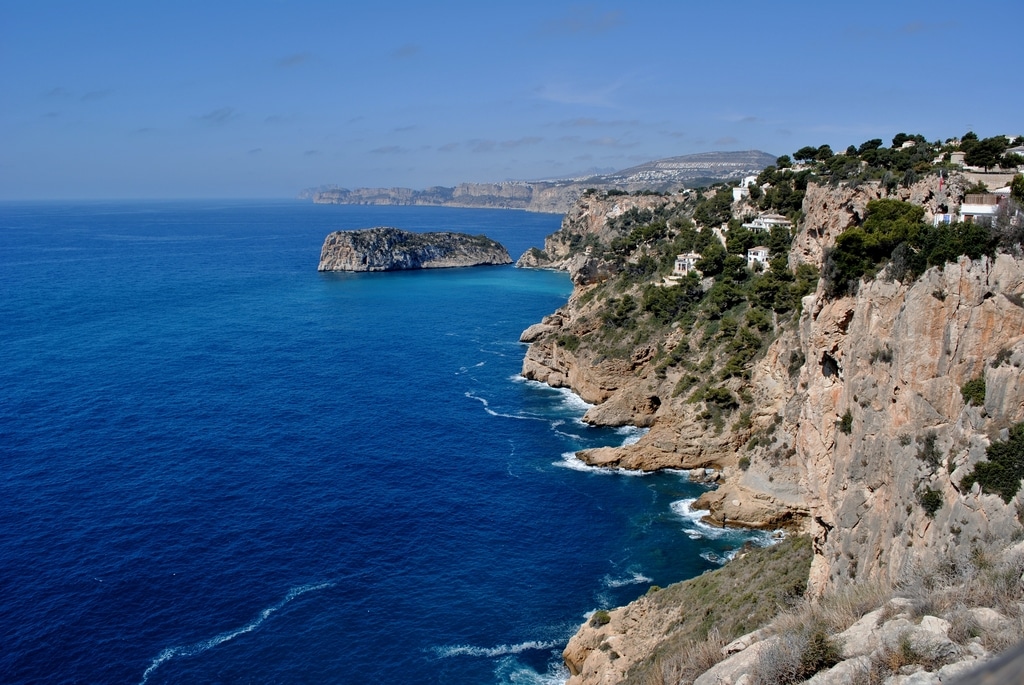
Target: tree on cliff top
column 894, row 230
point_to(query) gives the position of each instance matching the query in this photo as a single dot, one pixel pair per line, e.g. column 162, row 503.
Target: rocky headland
column 392, row 249
column 840, row 413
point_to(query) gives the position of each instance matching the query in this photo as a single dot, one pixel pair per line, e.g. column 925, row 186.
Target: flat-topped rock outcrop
column 392, row 249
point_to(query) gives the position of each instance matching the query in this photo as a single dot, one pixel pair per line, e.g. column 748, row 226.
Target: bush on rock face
column 1004, row 469
column 973, row 391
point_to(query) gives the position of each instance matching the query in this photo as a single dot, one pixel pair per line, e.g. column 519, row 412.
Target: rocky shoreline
column 854, row 412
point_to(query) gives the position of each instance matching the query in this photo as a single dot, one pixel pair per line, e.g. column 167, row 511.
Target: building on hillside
column 685, row 263
column 757, row 255
column 743, row 189
column 980, row 208
column 766, row 222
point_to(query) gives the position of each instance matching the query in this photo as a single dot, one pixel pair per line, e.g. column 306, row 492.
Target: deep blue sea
column 220, row 466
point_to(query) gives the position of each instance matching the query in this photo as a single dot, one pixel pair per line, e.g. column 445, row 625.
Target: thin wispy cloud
column 94, row 95
column 311, row 153
column 406, row 51
column 928, row 27
column 726, row 140
column 448, row 147
column 254, row 151
column 521, row 142
column 482, row 145
column 278, row 119
column 294, row 60
column 609, row 141
column 388, row 150
column 403, row 129
column 590, row 122
column 57, row 92
column 604, row 141
column 220, row 116
column 583, row 19
column 750, row 120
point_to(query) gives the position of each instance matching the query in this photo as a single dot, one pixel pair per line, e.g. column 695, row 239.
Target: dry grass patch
column 720, row 606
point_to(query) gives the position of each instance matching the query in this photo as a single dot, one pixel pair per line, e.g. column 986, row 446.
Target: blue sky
column 107, row 99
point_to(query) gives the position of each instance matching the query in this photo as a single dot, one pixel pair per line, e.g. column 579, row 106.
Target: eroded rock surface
column 392, row 249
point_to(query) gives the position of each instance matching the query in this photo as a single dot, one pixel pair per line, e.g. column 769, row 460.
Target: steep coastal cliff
column 841, row 418
column 391, row 249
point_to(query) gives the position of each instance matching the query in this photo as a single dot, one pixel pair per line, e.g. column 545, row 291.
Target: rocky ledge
column 392, row 249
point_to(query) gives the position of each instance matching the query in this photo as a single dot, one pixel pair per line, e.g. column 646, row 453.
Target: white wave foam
column 204, row 645
column 632, row 434
column 499, row 650
column 713, row 558
column 696, row 528
column 511, row 671
column 571, row 461
column 636, row 578
column 694, row 525
column 572, row 401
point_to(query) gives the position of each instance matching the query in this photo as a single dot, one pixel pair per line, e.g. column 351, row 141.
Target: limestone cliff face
column 391, row 249
column 890, row 360
column 895, row 357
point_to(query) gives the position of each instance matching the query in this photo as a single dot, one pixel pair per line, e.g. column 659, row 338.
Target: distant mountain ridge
column 557, row 195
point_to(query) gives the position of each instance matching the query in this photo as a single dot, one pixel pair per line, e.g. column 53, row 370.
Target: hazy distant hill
column 557, row 195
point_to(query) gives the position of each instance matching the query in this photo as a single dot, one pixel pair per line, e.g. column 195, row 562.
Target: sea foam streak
column 487, row 408
column 635, row 578
column 200, row 647
column 499, row 650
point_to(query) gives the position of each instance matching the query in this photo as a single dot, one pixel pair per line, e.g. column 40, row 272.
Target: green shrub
column 568, row 341
column 894, row 230
column 846, row 423
column 796, row 362
column 930, row 500
column 622, row 312
column 684, row 384
column 820, row 653
column 928, row 452
column 1003, row 470
column 600, row 618
column 744, row 463
column 720, row 397
column 973, row 391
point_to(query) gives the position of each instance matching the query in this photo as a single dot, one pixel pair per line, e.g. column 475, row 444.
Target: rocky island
column 392, row 249
column 839, row 351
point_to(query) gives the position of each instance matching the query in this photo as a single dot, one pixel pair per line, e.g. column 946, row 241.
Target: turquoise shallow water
column 219, row 465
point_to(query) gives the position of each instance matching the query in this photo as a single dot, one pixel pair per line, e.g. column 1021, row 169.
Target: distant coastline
column 556, row 196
